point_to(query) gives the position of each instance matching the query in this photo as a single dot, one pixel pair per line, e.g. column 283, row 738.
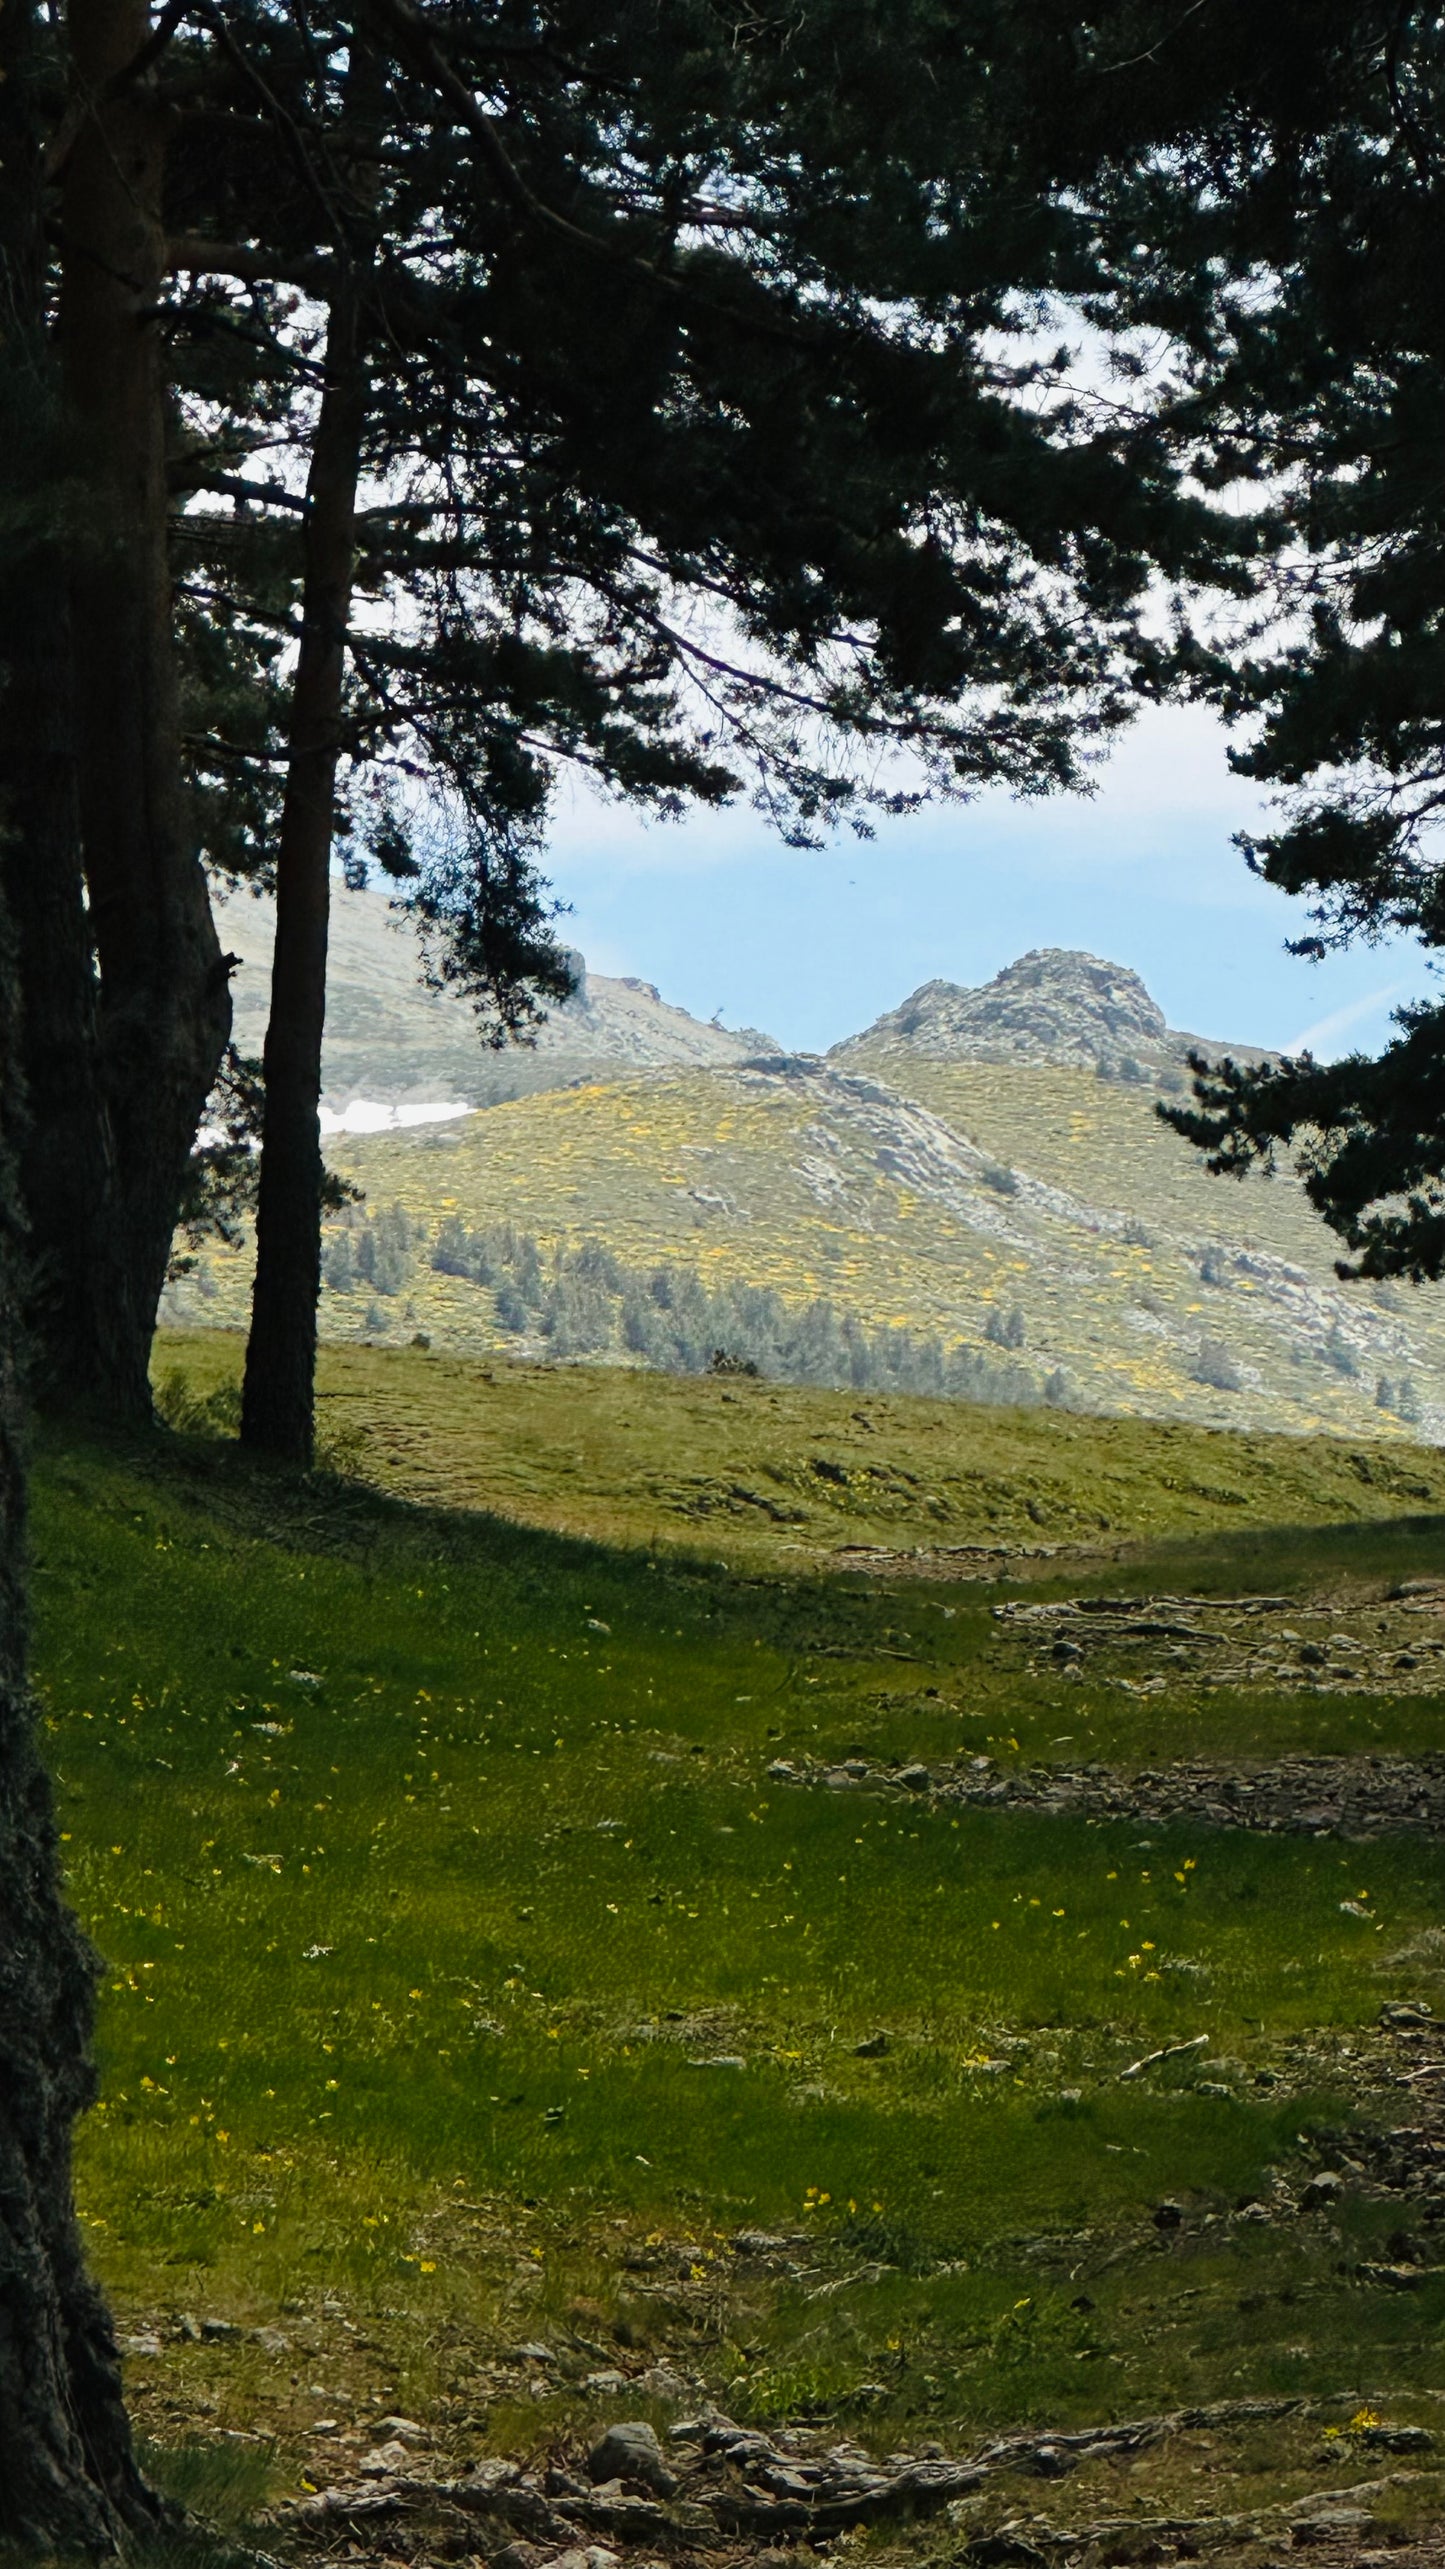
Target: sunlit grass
column 458, row 1946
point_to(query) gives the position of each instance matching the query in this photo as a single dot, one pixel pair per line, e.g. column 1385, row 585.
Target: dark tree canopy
column 1293, row 249
column 707, row 446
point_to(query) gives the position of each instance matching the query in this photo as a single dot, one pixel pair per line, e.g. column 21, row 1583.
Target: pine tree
column 681, row 476
column 1291, row 248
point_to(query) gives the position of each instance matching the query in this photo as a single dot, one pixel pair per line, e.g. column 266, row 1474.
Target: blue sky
column 812, row 947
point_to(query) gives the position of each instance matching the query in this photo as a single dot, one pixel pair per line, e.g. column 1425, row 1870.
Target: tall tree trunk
column 68, row 2476
column 165, row 1008
column 66, row 1166
column 278, row 1409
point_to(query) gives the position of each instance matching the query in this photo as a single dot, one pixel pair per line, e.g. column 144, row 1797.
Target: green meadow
column 470, row 1986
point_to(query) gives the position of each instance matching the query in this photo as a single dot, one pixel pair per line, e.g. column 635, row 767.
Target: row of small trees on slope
column 586, row 1301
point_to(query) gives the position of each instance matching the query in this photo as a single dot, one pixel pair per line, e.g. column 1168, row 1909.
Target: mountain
column 973, row 1196
column 1056, row 1004
column 394, row 1042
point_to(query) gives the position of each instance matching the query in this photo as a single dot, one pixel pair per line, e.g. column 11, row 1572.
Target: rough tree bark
column 66, row 1166
column 278, row 1408
column 68, row 2476
column 165, row 1008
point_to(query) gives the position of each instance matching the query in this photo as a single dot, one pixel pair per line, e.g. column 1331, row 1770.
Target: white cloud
column 1339, row 1020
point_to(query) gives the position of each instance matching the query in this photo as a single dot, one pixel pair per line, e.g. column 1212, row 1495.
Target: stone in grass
column 1393, row 2278
column 1167, row 2216
column 630, row 2451
column 384, row 2462
column 915, row 1779
column 1323, row 2189
column 661, row 2383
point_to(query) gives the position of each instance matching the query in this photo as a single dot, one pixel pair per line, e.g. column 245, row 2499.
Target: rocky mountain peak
column 1056, row 1004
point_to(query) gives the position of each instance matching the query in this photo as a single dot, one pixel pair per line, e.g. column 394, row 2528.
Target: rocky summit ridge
column 391, row 1040
column 1055, row 1005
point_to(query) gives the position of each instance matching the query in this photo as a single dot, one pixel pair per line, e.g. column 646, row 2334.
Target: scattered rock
column 1048, row 2462
column 661, row 2383
column 630, row 2451
column 384, row 2461
column 1323, row 2189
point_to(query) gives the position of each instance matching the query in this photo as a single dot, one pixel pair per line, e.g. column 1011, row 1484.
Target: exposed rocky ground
column 1389, row 1644
column 724, row 2490
column 1290, row 1796
column 1394, row 1642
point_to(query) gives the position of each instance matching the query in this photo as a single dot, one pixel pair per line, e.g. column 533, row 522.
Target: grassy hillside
column 1037, row 1227
column 769, row 1471
column 491, row 2034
